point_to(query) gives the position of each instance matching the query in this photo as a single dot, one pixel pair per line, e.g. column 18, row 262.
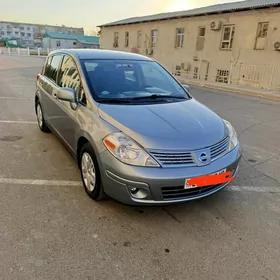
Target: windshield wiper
column 113, row 100
column 155, row 96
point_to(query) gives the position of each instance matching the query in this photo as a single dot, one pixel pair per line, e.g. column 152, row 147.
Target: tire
column 40, row 117
column 87, row 169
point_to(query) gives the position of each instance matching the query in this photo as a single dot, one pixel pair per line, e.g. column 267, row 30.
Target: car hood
column 179, row 125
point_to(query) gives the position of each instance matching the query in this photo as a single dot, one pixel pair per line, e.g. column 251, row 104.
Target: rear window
column 52, row 67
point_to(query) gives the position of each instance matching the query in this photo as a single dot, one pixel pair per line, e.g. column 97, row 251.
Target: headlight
column 127, row 151
column 232, row 134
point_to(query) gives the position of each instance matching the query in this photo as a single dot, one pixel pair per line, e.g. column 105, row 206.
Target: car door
column 42, row 86
column 48, row 84
column 67, row 121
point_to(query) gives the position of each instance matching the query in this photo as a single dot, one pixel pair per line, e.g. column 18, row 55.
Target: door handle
column 55, row 95
column 41, row 83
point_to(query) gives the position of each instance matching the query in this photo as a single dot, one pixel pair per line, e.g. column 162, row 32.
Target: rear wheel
column 90, row 173
column 40, row 117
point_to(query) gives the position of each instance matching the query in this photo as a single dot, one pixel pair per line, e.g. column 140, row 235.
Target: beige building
column 235, row 43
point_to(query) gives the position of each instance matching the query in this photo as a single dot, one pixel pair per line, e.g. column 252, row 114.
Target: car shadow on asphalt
column 178, row 212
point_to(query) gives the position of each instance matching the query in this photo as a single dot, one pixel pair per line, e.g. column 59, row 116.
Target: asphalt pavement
column 50, row 228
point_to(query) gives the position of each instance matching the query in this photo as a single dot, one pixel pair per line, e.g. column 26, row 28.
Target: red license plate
column 217, row 178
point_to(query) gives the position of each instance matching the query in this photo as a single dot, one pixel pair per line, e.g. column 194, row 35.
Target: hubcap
column 88, row 172
column 39, row 115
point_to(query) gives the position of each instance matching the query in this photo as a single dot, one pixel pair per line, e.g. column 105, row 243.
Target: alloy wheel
column 88, row 172
column 40, row 116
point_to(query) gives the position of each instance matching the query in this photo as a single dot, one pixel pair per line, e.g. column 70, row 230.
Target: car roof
column 101, row 54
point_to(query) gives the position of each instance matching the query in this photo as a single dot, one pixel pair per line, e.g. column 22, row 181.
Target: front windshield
column 130, row 80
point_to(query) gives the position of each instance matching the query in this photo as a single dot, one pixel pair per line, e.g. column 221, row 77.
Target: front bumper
column 162, row 185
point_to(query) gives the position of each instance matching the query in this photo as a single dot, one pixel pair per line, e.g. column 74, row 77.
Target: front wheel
column 40, row 117
column 90, row 173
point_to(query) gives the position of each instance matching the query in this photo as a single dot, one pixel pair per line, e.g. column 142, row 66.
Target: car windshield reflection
column 117, row 79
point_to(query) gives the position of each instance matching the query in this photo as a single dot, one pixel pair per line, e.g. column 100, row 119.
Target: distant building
column 31, row 35
column 54, row 40
column 236, row 42
column 2, row 43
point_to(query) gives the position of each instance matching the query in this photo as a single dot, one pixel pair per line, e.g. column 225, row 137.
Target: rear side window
column 52, row 67
column 47, row 67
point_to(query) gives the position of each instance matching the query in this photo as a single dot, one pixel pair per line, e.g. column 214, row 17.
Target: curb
column 248, row 92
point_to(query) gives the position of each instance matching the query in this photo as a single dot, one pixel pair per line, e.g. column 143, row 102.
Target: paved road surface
column 50, row 229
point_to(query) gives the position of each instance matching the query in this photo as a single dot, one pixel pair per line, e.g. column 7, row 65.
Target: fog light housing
column 134, row 190
column 138, row 193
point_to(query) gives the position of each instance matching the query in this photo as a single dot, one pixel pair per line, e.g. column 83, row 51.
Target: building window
column 222, row 76
column 2, row 33
column 200, row 38
column 201, row 31
column 261, row 37
column 8, row 26
column 262, row 29
column 153, row 37
column 22, row 34
column 227, row 37
column 22, row 28
column 195, row 72
column 139, row 38
column 179, row 37
column 116, row 39
column 126, row 42
column 28, row 28
column 58, row 43
column 28, row 34
column 74, row 43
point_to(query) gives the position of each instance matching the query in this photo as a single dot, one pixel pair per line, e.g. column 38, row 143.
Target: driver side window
column 70, row 77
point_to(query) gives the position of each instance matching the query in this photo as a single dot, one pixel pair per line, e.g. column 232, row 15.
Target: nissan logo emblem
column 203, row 157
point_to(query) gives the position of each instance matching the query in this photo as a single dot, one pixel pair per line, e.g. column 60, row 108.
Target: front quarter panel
column 93, row 128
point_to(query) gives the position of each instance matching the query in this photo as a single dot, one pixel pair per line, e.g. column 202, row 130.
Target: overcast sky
column 89, row 13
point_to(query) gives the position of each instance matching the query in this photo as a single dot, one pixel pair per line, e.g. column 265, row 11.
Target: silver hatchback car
column 137, row 134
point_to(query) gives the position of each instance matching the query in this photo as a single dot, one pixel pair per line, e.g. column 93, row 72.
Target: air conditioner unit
column 215, row 25
column 277, row 46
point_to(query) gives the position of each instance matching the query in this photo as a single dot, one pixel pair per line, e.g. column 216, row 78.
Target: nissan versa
column 137, row 134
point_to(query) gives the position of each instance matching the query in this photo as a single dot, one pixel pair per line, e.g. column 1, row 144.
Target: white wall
column 243, row 44
column 64, row 44
column 52, row 43
column 49, row 43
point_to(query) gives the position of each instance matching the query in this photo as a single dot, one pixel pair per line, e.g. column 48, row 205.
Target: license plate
column 192, row 186
column 220, row 172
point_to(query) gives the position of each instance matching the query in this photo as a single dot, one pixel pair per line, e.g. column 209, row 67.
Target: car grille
column 187, row 158
column 219, row 149
column 176, row 193
column 174, row 158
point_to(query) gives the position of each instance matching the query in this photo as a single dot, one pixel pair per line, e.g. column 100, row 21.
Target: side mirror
column 186, row 87
column 66, row 94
